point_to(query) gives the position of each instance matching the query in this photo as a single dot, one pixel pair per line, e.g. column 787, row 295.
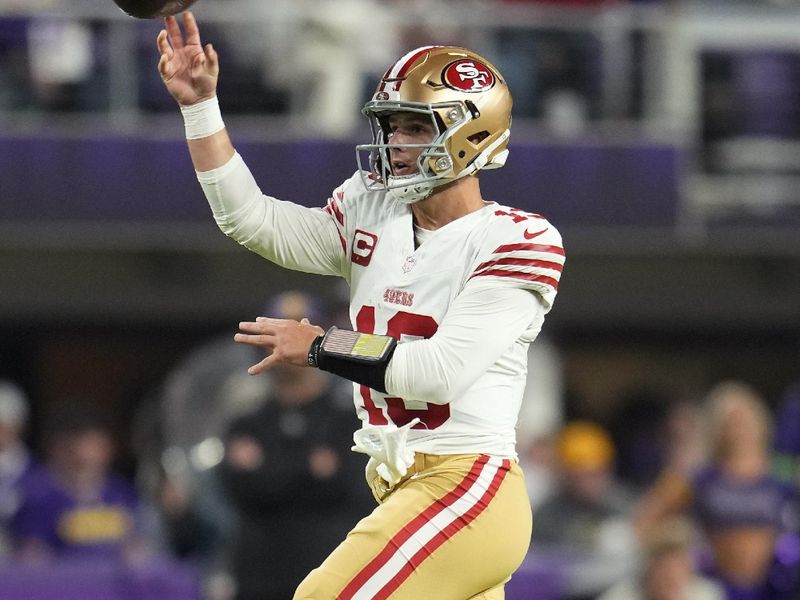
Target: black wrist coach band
column 313, row 351
column 359, row 357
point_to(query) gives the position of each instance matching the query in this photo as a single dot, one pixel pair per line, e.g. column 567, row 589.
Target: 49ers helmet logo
column 467, row 75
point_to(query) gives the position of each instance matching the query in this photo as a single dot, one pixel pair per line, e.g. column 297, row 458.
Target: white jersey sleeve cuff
column 215, row 175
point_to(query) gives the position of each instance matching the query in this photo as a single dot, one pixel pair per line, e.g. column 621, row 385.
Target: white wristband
column 202, row 119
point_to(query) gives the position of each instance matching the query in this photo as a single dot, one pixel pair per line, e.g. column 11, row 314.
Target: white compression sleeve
column 480, row 326
column 290, row 235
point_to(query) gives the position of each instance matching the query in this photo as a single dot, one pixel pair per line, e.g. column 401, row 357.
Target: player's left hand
column 286, row 340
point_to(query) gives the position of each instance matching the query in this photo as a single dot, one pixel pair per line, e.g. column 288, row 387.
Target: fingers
column 262, row 322
column 261, row 325
column 264, row 365
column 212, row 57
column 256, row 334
column 163, row 43
column 165, row 67
column 286, row 340
column 174, row 32
column 198, row 65
column 319, row 330
column 263, row 341
column 192, row 31
column 267, row 324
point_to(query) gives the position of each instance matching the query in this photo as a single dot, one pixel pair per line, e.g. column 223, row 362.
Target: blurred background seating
column 661, row 136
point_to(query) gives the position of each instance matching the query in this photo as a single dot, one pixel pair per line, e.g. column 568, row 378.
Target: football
column 153, row 9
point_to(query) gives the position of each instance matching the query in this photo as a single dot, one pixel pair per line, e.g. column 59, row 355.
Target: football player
column 447, row 292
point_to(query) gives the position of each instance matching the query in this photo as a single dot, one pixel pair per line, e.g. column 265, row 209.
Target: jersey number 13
column 433, row 415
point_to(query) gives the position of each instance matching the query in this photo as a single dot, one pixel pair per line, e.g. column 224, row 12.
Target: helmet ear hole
column 476, row 138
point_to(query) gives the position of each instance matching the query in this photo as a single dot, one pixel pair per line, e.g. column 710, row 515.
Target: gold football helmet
column 469, row 104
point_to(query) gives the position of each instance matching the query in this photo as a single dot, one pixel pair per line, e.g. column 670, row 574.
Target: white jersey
column 406, row 290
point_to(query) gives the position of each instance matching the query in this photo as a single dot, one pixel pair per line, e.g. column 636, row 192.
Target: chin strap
column 412, row 193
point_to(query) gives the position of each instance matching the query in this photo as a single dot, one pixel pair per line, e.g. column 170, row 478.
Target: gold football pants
column 455, row 528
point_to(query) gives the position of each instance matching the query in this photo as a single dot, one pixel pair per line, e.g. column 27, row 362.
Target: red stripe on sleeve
column 336, row 211
column 519, row 275
column 530, row 248
column 330, row 211
column 521, row 262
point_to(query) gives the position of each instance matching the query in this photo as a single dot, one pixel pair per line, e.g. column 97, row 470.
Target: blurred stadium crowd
column 247, row 483
column 665, row 468
column 567, row 60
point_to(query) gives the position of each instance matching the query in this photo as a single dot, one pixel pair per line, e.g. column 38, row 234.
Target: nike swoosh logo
column 529, row 236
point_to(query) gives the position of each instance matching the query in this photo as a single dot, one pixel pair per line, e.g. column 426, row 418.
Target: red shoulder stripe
column 521, row 262
column 530, row 248
column 335, row 211
column 552, row 282
column 330, row 211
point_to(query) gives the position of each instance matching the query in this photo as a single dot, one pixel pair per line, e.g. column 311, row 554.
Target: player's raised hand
column 188, row 70
column 286, row 340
